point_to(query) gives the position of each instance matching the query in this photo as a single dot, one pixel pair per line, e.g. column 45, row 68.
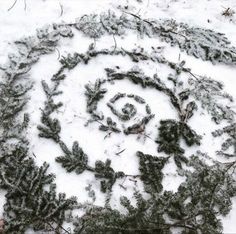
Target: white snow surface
column 26, row 16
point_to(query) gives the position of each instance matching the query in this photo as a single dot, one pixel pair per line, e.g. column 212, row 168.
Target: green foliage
column 28, row 204
column 137, row 98
column 70, row 61
column 194, row 208
column 139, row 127
column 198, row 42
column 230, row 130
column 170, row 133
column 208, row 92
column 151, row 172
column 110, row 127
column 11, row 101
column 50, row 129
column 105, row 172
column 95, row 26
column 38, row 211
column 137, row 76
column 75, row 160
column 94, row 92
column 110, row 220
column 127, row 112
column 50, row 105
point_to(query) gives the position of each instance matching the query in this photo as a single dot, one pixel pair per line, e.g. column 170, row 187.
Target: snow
column 23, row 20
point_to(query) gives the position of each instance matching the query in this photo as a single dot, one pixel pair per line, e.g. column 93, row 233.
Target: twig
column 60, row 226
column 179, row 57
column 25, row 5
column 120, row 152
column 144, row 134
column 133, row 176
column 81, row 229
column 94, row 45
column 62, row 10
column 115, row 46
column 99, row 122
column 193, row 75
column 122, row 186
column 12, row 5
column 49, row 224
column 136, row 16
column 108, row 135
column 148, row 22
column 59, row 54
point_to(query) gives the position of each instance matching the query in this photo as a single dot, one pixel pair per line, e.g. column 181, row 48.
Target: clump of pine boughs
column 194, row 208
column 230, row 130
column 94, row 93
column 110, row 126
column 207, row 92
column 105, row 172
column 151, row 171
column 170, row 133
column 201, row 43
column 28, row 203
column 139, row 127
column 74, row 160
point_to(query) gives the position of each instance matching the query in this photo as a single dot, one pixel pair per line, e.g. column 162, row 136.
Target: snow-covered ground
column 28, row 15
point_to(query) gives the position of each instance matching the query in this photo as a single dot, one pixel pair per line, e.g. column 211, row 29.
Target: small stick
column 120, row 152
column 61, row 227
column 25, row 5
column 115, row 46
column 62, row 10
column 122, row 186
column 147, row 136
column 59, row 54
column 136, row 16
column 108, row 135
column 12, row 5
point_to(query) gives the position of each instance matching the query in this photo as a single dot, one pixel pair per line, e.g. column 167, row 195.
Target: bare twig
column 115, row 44
column 59, row 54
column 25, row 5
column 62, row 228
column 94, row 44
column 228, row 12
column 133, row 176
column 108, row 135
column 62, row 10
column 120, row 152
column 12, row 5
column 150, row 23
column 138, row 17
column 147, row 136
column 123, row 187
